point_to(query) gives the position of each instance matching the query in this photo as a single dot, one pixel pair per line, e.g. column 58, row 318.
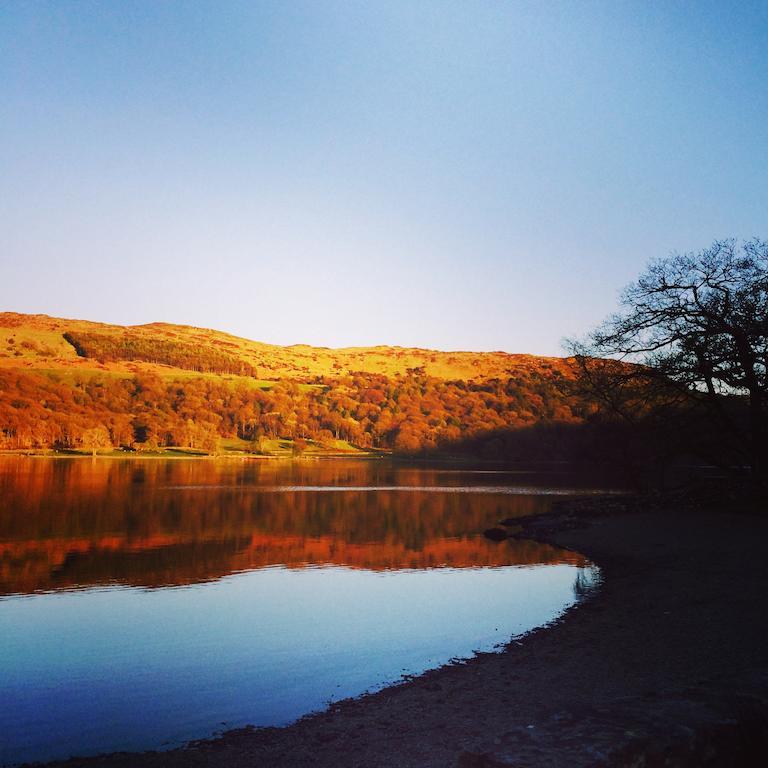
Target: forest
column 407, row 413
column 178, row 354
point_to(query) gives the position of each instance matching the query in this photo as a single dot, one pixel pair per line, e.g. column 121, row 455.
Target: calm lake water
column 145, row 603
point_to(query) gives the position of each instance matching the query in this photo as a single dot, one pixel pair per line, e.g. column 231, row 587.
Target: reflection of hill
column 34, row 566
column 70, row 523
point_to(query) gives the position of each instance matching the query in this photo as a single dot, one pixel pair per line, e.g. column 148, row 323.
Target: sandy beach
column 665, row 664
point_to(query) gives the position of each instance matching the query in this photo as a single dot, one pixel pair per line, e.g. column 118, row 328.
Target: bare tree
column 697, row 325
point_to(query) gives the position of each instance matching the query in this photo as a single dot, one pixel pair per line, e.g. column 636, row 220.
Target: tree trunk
column 757, row 434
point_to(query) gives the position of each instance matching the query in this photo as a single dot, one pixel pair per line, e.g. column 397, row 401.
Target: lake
column 145, row 603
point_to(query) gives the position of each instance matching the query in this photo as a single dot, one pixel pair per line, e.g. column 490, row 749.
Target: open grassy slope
column 37, row 342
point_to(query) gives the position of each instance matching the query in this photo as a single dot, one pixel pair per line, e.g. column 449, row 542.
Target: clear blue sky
column 459, row 175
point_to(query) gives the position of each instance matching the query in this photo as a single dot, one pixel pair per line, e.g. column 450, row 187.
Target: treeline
column 408, row 414
column 201, row 358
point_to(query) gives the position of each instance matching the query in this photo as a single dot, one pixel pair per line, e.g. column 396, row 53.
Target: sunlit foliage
column 406, row 413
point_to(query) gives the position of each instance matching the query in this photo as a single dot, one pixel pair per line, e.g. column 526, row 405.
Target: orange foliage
column 407, row 413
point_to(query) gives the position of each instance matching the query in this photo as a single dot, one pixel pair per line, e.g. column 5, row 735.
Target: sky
column 452, row 175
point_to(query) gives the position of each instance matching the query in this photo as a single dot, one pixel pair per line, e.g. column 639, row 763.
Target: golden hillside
column 40, row 342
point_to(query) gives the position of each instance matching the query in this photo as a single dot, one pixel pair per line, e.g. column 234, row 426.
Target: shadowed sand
column 669, row 658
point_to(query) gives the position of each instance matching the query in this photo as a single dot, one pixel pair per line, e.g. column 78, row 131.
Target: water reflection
column 76, row 522
column 294, row 584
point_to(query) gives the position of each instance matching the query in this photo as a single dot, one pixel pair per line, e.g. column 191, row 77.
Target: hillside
column 79, row 385
column 38, row 341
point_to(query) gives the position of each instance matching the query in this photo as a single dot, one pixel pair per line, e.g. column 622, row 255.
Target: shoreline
column 666, row 661
column 460, row 460
column 130, row 455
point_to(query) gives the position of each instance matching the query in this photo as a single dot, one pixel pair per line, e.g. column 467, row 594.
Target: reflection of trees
column 586, row 580
column 72, row 522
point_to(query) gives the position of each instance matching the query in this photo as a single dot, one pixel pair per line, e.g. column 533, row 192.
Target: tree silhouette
column 697, row 325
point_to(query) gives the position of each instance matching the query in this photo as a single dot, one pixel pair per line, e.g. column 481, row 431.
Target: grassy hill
column 40, row 342
column 77, row 385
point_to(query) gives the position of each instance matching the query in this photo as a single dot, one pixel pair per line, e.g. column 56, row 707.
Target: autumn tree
column 96, row 439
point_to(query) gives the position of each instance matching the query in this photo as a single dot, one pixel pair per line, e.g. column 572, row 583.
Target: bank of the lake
column 669, row 658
